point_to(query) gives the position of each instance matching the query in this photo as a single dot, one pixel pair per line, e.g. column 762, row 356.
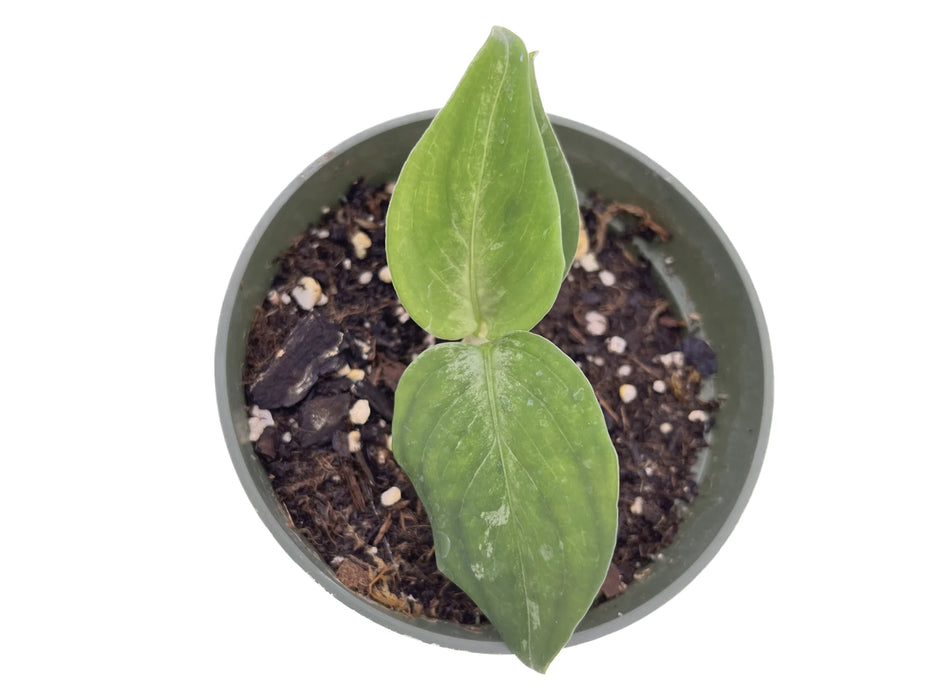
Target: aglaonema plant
column 501, row 434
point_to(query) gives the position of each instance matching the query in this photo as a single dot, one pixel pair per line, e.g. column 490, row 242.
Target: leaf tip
column 535, row 659
column 506, row 36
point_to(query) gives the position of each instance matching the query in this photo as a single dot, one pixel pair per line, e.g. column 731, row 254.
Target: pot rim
column 437, row 631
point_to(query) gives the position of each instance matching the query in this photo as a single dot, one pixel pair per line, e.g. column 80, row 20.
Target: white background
column 141, row 142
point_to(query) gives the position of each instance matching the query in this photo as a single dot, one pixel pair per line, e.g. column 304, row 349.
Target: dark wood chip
column 308, row 351
column 379, row 400
column 390, row 371
column 613, row 585
column 319, row 417
column 699, row 354
column 266, row 444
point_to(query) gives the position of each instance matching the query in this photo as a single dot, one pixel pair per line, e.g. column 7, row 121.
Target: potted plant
column 500, row 433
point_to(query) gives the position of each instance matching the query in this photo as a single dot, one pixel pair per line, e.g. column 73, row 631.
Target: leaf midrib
column 474, row 292
column 487, row 351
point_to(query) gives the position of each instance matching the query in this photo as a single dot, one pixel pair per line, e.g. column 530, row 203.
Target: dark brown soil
column 308, row 367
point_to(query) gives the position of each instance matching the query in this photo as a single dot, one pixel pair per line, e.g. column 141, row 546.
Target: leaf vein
column 469, row 485
column 443, row 414
column 547, row 410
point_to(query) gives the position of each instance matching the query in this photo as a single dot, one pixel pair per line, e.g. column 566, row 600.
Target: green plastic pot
column 707, row 278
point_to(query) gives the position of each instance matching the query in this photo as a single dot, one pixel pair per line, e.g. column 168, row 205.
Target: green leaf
column 508, row 450
column 563, row 179
column 473, row 232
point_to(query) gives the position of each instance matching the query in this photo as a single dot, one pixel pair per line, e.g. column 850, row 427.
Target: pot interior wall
column 706, row 278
